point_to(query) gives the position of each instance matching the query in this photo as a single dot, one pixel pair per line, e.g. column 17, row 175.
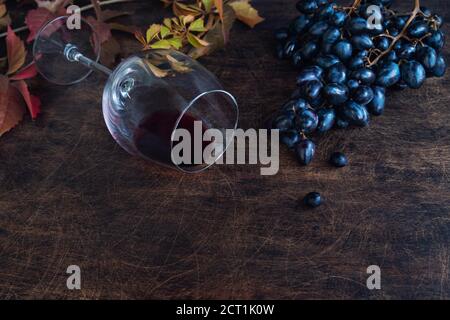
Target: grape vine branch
column 84, row 8
column 401, row 35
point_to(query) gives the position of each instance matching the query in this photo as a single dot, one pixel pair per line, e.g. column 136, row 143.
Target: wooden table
column 70, row 195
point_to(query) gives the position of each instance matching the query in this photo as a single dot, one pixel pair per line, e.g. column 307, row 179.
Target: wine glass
column 147, row 97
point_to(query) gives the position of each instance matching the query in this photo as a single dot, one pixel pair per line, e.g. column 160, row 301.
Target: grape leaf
column 2, row 10
column 178, row 66
column 16, row 51
column 28, row 72
column 208, row 5
column 152, row 32
column 33, row 103
column 4, row 86
column 197, row 26
column 246, row 13
column 11, row 106
column 157, row 72
column 215, row 36
column 164, row 31
column 176, row 42
column 101, row 28
column 35, row 19
column 109, row 52
column 161, row 44
column 196, row 42
column 5, row 20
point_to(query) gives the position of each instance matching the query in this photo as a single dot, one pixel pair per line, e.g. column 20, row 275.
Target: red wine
column 154, row 133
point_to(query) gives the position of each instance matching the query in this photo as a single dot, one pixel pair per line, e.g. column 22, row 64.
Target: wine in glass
column 147, row 97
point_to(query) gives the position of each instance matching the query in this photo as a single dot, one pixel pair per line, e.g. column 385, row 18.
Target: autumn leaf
column 5, row 20
column 157, row 72
column 152, row 32
column 208, row 4
column 2, row 10
column 215, row 35
column 161, row 44
column 176, row 42
column 196, row 42
column 181, row 9
column 28, row 72
column 35, row 19
column 164, row 32
column 33, row 103
column 198, row 25
column 178, row 66
column 4, row 86
column 15, row 51
column 246, row 13
column 102, row 29
column 109, row 52
column 11, row 106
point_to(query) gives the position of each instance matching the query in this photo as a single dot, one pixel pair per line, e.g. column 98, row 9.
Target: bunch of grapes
column 348, row 57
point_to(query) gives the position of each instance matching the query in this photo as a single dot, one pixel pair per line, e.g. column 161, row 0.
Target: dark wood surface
column 70, row 195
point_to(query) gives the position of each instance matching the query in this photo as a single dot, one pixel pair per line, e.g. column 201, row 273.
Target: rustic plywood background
column 70, row 195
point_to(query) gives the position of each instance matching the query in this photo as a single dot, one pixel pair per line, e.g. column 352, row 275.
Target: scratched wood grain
column 70, row 195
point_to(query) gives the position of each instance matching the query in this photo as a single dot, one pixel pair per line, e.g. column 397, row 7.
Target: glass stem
column 72, row 54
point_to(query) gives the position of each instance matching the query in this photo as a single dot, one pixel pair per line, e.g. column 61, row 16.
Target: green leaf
column 198, row 25
column 196, row 42
column 168, row 23
column 214, row 36
column 208, row 5
column 152, row 32
column 176, row 42
column 164, row 31
column 161, row 44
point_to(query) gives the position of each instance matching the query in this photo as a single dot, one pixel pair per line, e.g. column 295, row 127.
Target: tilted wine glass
column 146, row 98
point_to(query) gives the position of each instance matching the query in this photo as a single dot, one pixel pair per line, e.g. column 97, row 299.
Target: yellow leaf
column 198, row 25
column 246, row 13
column 215, row 35
column 157, row 72
column 152, row 32
column 178, row 66
column 15, row 49
column 2, row 10
column 138, row 35
column 196, row 42
column 208, row 4
column 188, row 19
column 164, row 31
column 168, row 23
column 161, row 44
column 175, row 42
column 181, row 9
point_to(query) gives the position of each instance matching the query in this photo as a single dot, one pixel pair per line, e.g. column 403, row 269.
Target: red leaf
column 11, row 106
column 102, row 29
column 28, row 72
column 4, row 85
column 33, row 103
column 16, row 51
column 35, row 19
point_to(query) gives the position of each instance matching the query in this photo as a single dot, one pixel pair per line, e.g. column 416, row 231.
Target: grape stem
column 353, row 7
column 402, row 34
